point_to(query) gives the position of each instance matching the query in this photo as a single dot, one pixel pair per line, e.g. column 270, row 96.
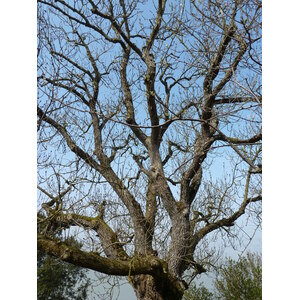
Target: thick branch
column 93, row 261
column 191, row 179
column 117, row 28
column 72, row 145
column 233, row 100
column 110, row 243
column 215, row 65
column 130, row 118
column 151, row 209
column 149, row 81
column 232, row 69
column 236, row 141
column 160, row 12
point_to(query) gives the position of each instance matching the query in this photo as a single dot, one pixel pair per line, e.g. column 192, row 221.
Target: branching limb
column 229, row 221
column 233, row 100
column 236, row 141
column 55, row 199
column 105, row 169
column 93, row 261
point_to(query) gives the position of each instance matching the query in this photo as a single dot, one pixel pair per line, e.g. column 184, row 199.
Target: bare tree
column 140, row 105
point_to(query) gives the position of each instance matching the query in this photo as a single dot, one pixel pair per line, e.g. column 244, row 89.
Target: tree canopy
column 239, row 279
column 149, row 134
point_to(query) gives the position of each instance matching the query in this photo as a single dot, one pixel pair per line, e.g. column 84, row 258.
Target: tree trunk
column 147, row 287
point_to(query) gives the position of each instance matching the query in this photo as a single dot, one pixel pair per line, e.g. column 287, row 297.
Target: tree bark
column 147, row 287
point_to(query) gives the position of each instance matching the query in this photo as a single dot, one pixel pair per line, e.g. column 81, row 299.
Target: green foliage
column 236, row 280
column 59, row 280
column 198, row 293
column 240, row 280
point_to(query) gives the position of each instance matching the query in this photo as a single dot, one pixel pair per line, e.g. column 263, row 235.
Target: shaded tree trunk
column 147, row 287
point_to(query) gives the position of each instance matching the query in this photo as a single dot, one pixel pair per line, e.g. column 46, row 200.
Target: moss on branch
column 137, row 265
